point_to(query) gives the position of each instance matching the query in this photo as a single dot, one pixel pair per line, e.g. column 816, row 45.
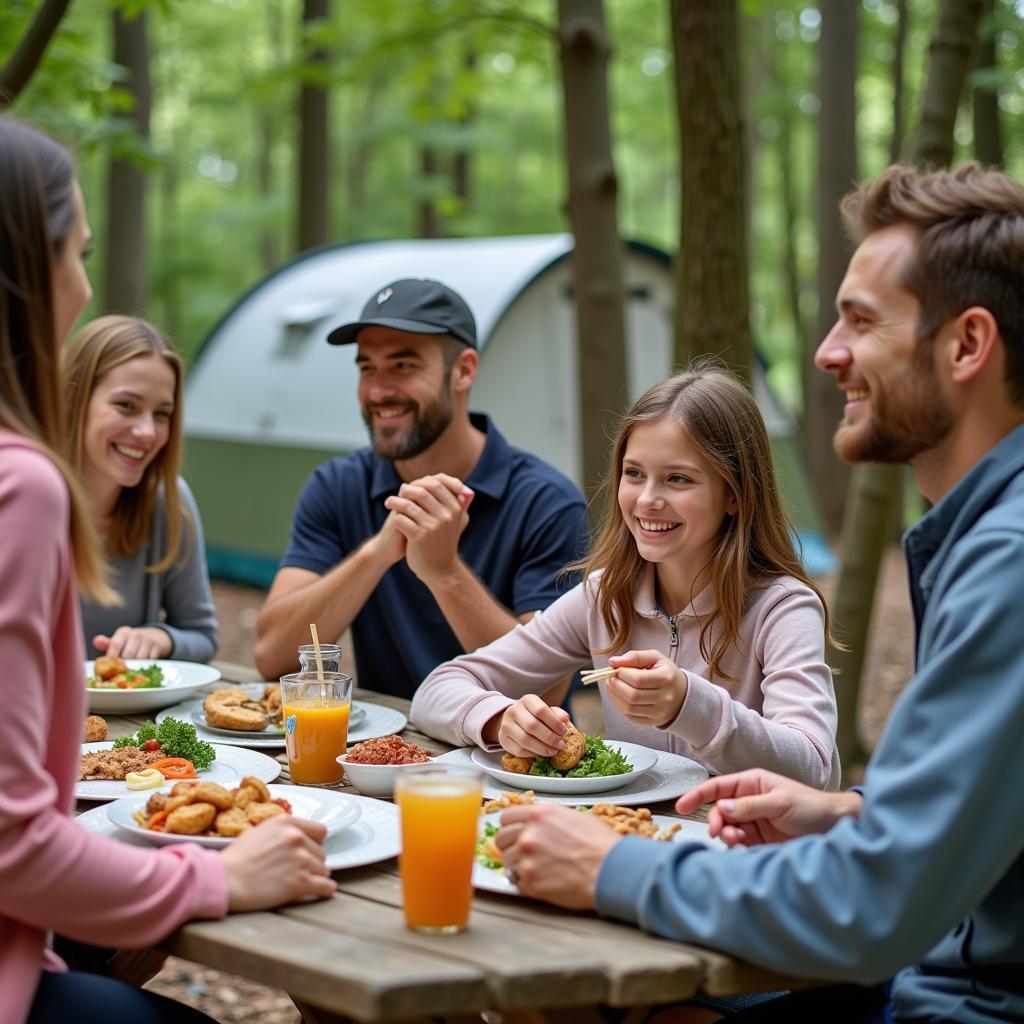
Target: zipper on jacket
column 673, row 640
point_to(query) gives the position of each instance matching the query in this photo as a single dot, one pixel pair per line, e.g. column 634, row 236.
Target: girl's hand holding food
column 135, row 642
column 279, row 862
column 532, row 728
column 648, row 689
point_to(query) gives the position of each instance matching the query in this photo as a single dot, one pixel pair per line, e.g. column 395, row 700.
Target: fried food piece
column 508, row 800
column 245, row 718
column 519, row 765
column 212, row 793
column 192, row 819
column 94, row 730
column 232, row 822
column 156, row 803
column 107, row 666
column 257, row 813
column 259, row 785
column 271, row 701
column 575, row 746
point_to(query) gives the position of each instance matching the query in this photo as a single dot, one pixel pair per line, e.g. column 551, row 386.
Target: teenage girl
column 55, row 875
column 123, row 385
column 693, row 591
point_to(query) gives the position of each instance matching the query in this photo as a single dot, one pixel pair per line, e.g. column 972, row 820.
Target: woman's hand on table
column 279, row 862
column 554, row 853
column 756, row 807
column 649, row 688
column 142, row 642
column 532, row 728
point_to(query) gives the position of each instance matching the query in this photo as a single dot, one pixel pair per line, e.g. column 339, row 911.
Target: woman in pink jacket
column 54, row 875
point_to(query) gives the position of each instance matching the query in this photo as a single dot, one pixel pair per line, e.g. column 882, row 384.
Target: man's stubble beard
column 429, row 423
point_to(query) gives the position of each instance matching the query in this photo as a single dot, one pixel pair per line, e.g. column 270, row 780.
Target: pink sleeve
column 794, row 733
column 53, row 873
column 459, row 698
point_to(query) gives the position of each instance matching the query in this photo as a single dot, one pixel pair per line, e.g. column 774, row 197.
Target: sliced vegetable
column 175, row 768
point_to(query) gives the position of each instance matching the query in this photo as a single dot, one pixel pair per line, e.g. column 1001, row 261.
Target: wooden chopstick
column 595, row 675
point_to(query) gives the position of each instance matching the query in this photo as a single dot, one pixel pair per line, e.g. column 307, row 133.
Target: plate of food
column 586, row 764
column 168, row 752
column 124, row 687
column 213, row 815
column 489, row 868
column 240, row 711
column 366, row 720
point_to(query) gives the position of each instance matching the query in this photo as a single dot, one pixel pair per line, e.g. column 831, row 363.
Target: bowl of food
column 116, row 687
column 371, row 766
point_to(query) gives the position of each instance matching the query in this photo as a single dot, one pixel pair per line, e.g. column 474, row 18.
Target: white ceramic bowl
column 181, row 680
column 374, row 779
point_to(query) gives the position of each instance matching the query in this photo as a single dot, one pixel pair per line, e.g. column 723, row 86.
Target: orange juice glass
column 439, row 806
column 315, row 715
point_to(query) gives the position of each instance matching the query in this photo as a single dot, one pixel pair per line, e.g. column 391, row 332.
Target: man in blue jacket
column 920, row 876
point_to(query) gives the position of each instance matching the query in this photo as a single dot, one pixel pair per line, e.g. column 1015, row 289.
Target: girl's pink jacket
column 53, row 873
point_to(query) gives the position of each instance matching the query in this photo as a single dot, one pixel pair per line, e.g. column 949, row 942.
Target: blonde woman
column 123, row 383
column 693, row 591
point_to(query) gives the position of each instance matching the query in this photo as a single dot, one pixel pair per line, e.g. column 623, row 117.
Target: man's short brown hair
column 970, row 249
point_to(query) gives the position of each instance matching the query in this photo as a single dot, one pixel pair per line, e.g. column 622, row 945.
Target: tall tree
column 988, row 133
column 875, row 489
column 314, row 133
column 597, row 261
column 15, row 74
column 837, row 171
column 712, row 303
column 126, row 280
column 899, row 49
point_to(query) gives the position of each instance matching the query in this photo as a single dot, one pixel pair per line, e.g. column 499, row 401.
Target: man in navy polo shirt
column 441, row 536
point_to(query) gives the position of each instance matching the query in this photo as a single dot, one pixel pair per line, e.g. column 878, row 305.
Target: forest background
column 216, row 139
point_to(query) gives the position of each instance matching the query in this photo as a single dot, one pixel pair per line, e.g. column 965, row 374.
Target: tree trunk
column 875, row 489
column 461, row 162
column 949, row 60
column 126, row 283
column 15, row 74
column 988, row 135
column 791, row 261
column 170, row 242
column 428, row 220
column 837, row 172
column 597, row 261
column 314, row 141
column 898, row 84
column 712, row 306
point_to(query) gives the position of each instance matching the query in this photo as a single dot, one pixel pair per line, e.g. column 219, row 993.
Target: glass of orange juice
column 439, row 806
column 315, row 716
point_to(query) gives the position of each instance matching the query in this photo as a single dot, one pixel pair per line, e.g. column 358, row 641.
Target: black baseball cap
column 417, row 305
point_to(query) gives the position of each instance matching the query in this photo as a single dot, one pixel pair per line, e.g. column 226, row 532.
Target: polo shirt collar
column 490, row 475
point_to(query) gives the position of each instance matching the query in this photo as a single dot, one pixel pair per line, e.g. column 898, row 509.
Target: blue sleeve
column 942, row 818
column 558, row 538
column 316, row 543
column 191, row 618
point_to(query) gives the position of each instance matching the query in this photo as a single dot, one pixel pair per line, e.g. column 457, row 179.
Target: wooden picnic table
column 352, row 958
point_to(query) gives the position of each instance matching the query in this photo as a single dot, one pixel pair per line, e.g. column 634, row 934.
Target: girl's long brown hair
column 37, row 211
column 98, row 348
column 720, row 417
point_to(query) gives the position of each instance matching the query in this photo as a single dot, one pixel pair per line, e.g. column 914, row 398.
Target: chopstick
column 595, row 675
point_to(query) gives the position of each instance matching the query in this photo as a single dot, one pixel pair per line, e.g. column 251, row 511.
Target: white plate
column 356, row 716
column 495, row 879
column 378, row 721
column 181, row 678
column 641, row 758
column 230, row 765
column 336, row 811
column 374, row 837
column 672, row 776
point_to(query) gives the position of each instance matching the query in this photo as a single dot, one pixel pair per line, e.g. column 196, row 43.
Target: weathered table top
column 352, row 956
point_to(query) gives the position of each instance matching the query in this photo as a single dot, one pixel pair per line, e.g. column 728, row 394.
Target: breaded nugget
column 575, row 745
column 191, row 820
column 232, row 823
column 519, row 765
column 234, row 716
column 271, row 699
column 246, row 795
column 258, row 813
column 106, row 666
column 257, row 784
column 229, row 695
column 213, row 793
column 94, row 730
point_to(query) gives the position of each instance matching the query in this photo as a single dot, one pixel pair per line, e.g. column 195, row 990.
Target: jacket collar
column 702, row 605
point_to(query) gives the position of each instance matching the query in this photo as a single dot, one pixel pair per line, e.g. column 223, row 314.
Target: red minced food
column 387, row 750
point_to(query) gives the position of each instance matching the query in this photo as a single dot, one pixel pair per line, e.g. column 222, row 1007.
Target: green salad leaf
column 176, row 739
column 598, row 760
column 490, row 831
column 155, row 675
